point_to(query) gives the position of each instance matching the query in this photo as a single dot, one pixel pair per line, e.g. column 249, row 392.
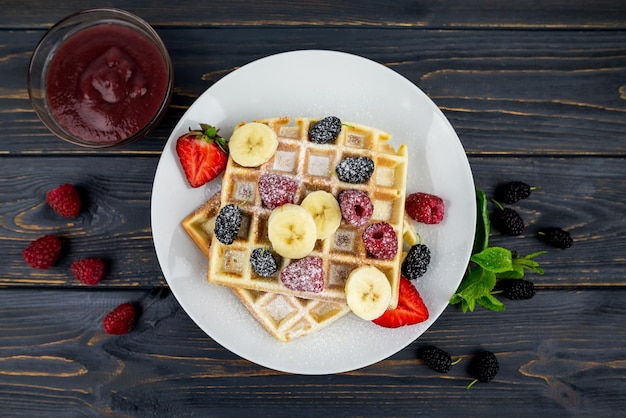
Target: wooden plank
column 557, row 361
column 527, row 14
column 521, row 92
column 583, row 195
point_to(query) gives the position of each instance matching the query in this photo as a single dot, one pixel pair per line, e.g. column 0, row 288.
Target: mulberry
column 484, row 367
column 556, row 237
column 508, row 221
column 512, row 192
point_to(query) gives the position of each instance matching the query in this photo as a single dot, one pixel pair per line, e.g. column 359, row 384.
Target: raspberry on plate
column 120, row 320
column 64, row 200
column 356, row 207
column 381, row 240
column 43, row 253
column 425, row 208
column 305, row 275
column 88, row 270
column 276, row 190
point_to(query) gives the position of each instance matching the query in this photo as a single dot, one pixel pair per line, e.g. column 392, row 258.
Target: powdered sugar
column 304, row 275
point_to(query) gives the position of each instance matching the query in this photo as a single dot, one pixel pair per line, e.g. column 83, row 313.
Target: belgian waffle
column 284, row 317
column 312, row 166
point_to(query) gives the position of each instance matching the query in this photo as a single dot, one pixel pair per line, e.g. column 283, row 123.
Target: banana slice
column 292, row 231
column 253, row 144
column 325, row 211
column 368, row 292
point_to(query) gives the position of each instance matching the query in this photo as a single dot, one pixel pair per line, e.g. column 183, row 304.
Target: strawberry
column 64, row 200
column 43, row 253
column 203, row 154
column 88, row 270
column 410, row 310
column 120, row 320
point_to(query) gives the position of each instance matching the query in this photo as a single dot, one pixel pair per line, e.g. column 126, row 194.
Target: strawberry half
column 203, row 154
column 410, row 310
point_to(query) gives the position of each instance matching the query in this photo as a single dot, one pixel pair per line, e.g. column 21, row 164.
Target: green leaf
column 492, row 303
column 483, row 223
column 494, row 259
column 516, row 273
column 478, row 283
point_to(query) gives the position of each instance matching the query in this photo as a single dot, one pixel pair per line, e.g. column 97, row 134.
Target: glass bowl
column 100, row 78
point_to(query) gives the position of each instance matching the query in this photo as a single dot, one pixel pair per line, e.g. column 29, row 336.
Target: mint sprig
column 488, row 265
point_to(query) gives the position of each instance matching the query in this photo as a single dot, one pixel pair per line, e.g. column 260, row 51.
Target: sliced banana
column 368, row 292
column 292, row 231
column 253, row 144
column 325, row 211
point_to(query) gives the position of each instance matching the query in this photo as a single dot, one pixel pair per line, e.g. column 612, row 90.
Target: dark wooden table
column 535, row 90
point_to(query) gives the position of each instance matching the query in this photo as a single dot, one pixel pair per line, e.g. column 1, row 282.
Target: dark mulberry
column 325, row 131
column 263, row 262
column 508, row 221
column 416, row 262
column 517, row 289
column 355, row 170
column 556, row 237
column 227, row 224
column 436, row 358
column 512, row 192
column 484, row 367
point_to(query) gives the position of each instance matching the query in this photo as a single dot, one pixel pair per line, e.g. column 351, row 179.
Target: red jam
column 106, row 82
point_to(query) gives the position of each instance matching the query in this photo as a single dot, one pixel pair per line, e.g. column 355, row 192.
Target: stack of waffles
column 287, row 313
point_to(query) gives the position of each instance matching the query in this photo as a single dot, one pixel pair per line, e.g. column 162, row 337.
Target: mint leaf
column 483, row 223
column 478, row 283
column 494, row 259
column 490, row 302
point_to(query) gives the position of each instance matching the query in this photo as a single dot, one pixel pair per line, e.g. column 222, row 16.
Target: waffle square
column 284, row 317
column 312, row 166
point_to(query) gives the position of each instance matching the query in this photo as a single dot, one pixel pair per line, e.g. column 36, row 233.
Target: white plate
column 317, row 84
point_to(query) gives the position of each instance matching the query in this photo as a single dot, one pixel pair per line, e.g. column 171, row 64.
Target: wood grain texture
column 536, row 92
column 583, row 195
column 526, row 14
column 517, row 93
column 58, row 361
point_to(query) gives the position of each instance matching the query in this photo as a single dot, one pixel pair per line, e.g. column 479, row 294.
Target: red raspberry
column 381, row 240
column 43, row 253
column 276, row 190
column 120, row 320
column 88, row 270
column 304, row 275
column 356, row 207
column 64, row 200
column 425, row 208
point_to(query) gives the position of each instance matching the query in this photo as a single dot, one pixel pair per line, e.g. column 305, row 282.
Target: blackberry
column 512, row 192
column 227, row 224
column 508, row 221
column 263, row 262
column 325, row 131
column 556, row 237
column 483, row 367
column 355, row 169
column 416, row 262
column 517, row 289
column 436, row 358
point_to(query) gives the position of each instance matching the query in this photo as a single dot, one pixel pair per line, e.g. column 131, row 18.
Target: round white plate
column 318, row 83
